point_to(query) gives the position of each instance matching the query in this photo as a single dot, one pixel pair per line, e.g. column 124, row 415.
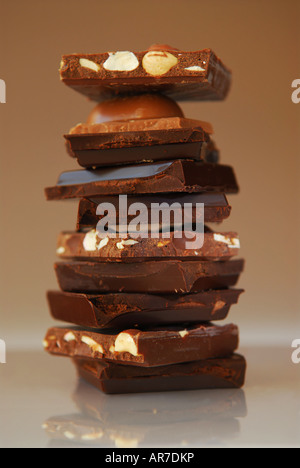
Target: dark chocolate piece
column 139, row 155
column 120, row 311
column 208, row 374
column 138, row 141
column 216, row 207
column 163, row 277
column 88, row 246
column 180, row 75
column 177, row 176
column 149, row 348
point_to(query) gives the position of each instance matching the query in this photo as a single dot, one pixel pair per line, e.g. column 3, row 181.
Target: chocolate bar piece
column 180, row 75
column 120, row 311
column 145, row 154
column 163, row 277
column 208, row 374
column 149, row 348
column 138, row 141
column 175, row 176
column 88, row 246
column 216, row 207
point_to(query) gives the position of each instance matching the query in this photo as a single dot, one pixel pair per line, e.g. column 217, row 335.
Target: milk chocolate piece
column 216, row 207
column 177, row 176
column 143, row 106
column 141, row 132
column 149, row 348
column 120, row 311
column 180, row 75
column 163, row 277
column 207, row 374
column 88, row 246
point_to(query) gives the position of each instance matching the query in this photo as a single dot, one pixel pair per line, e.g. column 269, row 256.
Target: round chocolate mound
column 144, row 106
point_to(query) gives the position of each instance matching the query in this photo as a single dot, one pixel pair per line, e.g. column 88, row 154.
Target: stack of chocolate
column 142, row 300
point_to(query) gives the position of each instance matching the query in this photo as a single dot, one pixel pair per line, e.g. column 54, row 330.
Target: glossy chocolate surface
column 206, row 374
column 121, row 310
column 163, row 277
column 177, row 176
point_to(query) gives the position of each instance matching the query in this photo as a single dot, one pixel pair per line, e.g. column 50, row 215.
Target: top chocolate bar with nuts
column 183, row 76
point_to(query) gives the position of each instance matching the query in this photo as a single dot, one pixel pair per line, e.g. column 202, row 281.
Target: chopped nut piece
column 69, row 337
column 232, row 243
column 218, row 305
column 195, row 68
column 121, row 61
column 183, row 333
column 90, row 241
column 96, row 347
column 85, row 63
column 157, row 63
column 125, row 344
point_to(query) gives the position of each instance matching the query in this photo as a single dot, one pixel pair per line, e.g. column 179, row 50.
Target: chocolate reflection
column 181, row 419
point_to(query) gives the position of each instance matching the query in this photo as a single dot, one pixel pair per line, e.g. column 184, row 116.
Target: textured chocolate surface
column 163, row 277
column 206, row 374
column 148, row 348
column 216, row 207
column 88, row 246
column 122, row 311
column 177, row 176
column 198, row 75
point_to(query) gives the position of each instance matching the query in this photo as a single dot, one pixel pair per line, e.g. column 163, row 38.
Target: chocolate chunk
column 177, row 176
column 216, row 207
column 138, row 141
column 138, row 155
column 143, row 106
column 206, row 374
column 180, row 75
column 120, row 311
column 149, row 348
column 163, row 277
column 141, row 132
column 88, row 246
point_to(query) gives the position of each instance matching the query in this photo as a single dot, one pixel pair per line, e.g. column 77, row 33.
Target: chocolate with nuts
column 88, row 246
column 198, row 75
column 149, row 348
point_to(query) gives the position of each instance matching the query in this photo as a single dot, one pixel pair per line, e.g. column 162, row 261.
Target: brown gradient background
column 256, row 129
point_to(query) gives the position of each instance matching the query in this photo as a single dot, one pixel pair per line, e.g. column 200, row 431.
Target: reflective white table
column 44, row 405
